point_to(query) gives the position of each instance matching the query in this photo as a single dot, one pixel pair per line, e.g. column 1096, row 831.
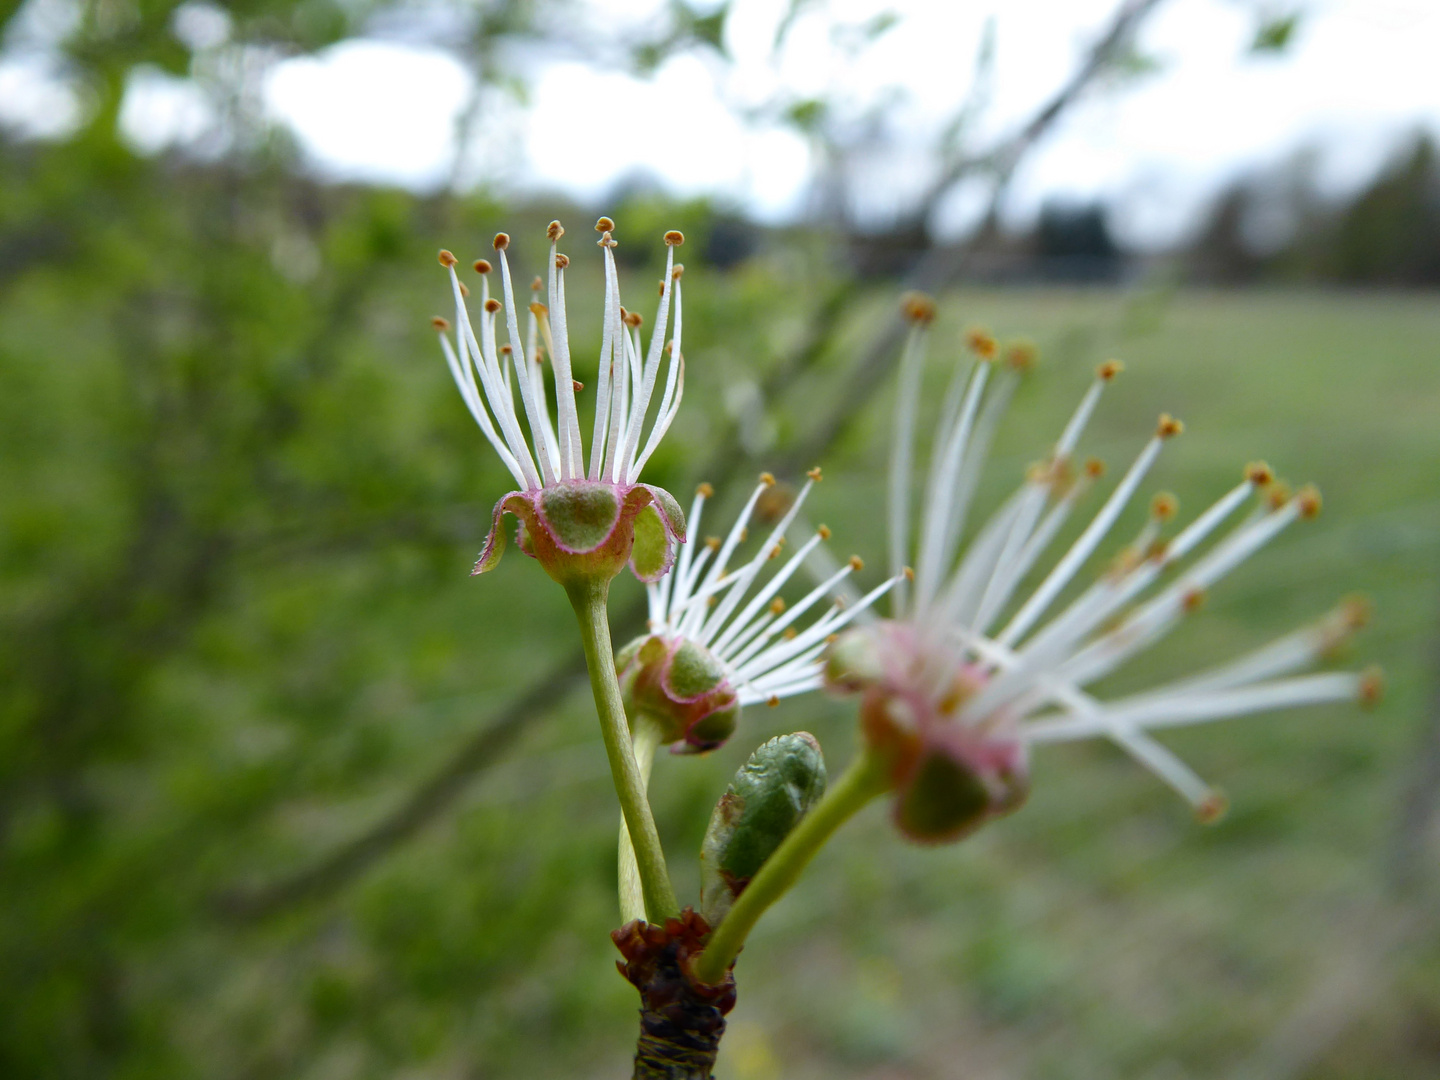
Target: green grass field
column 1100, row 932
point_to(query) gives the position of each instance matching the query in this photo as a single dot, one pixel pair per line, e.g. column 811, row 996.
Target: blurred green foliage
column 238, row 503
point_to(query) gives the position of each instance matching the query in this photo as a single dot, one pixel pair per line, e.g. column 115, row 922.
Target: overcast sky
column 1360, row 74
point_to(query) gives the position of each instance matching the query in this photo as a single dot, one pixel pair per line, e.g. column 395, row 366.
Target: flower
column 579, row 524
column 971, row 671
column 707, row 656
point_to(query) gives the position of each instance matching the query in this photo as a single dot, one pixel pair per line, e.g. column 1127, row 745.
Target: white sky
column 1361, row 74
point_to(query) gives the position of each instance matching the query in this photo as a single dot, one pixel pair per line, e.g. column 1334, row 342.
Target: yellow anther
column 918, row 308
column 982, row 343
column 1259, row 473
column 1020, row 355
column 1212, row 807
column 1372, row 686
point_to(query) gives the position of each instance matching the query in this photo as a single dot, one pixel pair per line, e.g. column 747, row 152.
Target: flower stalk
column 861, row 783
column 648, row 735
column 588, row 598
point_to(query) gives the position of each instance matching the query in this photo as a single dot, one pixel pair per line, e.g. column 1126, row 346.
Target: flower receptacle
column 682, row 688
column 582, row 530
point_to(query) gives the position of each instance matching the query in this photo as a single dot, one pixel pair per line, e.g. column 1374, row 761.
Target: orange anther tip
column 814, row 474
column 502, row 241
column 824, row 532
column 1021, row 355
column 918, row 307
column 605, row 225
column 562, row 261
column 1259, row 473
column 768, row 479
column 1109, row 369
column 856, row 563
column 1372, row 686
column 705, row 490
column 1168, row 427
column 980, row 341
column 440, row 324
column 1212, row 808
column 492, row 305
column 446, row 258
column 555, row 230
column 482, row 266
column 674, row 238
column 1357, row 611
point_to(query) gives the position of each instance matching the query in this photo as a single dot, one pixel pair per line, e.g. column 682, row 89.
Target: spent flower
column 972, row 670
column 580, row 523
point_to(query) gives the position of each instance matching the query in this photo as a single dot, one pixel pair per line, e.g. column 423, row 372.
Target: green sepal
column 650, row 556
column 769, row 795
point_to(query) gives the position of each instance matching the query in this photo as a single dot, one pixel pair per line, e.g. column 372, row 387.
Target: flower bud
column 682, row 687
column 769, row 795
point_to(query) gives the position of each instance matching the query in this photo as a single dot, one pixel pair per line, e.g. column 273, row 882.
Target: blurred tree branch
column 936, row 271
